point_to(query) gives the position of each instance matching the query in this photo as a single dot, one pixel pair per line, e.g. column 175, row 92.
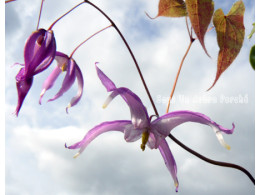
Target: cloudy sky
column 36, row 161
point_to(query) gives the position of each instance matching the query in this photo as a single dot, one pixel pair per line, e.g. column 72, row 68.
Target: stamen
column 145, row 137
column 64, row 67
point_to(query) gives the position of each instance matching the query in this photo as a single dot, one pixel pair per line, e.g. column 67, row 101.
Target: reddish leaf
column 200, row 14
column 172, row 8
column 230, row 35
column 9, row 1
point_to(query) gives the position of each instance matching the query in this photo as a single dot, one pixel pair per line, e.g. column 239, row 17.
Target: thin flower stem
column 182, row 61
column 39, row 16
column 131, row 53
column 187, row 25
column 177, row 76
column 223, row 164
column 88, row 39
column 64, row 15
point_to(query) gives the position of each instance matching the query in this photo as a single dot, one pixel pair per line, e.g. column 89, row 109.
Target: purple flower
column 39, row 52
column 153, row 133
column 64, row 63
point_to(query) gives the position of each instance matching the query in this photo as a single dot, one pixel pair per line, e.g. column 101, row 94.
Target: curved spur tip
column 150, row 16
column 67, row 108
column 76, row 155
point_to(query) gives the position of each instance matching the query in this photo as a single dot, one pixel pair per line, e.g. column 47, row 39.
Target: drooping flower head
column 68, row 64
column 39, row 52
column 153, row 133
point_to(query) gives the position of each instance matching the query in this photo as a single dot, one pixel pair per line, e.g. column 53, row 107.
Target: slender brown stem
column 88, row 39
column 182, row 61
column 187, row 25
column 223, row 164
column 39, row 16
column 131, row 53
column 177, row 76
column 64, row 15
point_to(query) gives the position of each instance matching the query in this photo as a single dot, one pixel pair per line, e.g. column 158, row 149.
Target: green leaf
column 200, row 13
column 172, row 8
column 230, row 35
column 252, row 57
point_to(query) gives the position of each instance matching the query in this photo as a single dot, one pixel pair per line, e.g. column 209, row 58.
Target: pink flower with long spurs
column 153, row 133
column 39, row 52
column 68, row 64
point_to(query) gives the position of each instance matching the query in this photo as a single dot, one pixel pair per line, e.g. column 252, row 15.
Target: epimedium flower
column 68, row 64
column 39, row 52
column 153, row 133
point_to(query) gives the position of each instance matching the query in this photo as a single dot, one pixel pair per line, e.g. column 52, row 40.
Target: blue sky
column 35, row 159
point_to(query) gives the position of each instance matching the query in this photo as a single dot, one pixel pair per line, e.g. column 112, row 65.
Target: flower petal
column 132, row 134
column 169, row 161
column 139, row 113
column 48, row 53
column 167, row 122
column 39, row 52
column 109, row 85
column 155, row 139
column 62, row 59
column 68, row 80
column 49, row 82
column 76, row 99
column 119, row 125
column 32, row 46
column 23, row 86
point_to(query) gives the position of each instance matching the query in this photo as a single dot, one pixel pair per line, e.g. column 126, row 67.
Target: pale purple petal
column 62, row 59
column 109, row 85
column 155, row 139
column 49, row 82
column 169, row 161
column 132, row 134
column 139, row 115
column 167, row 122
column 119, row 125
column 76, row 99
column 68, row 80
